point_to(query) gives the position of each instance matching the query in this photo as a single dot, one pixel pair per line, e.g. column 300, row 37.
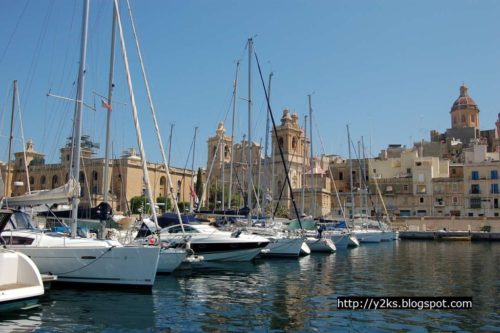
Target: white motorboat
column 211, row 243
column 82, row 260
column 20, row 281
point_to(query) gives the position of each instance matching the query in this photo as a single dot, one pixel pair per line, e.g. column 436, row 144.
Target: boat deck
column 11, row 286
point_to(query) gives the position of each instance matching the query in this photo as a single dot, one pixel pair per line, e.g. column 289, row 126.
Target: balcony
column 439, row 204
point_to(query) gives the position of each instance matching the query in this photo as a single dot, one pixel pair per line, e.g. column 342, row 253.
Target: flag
column 106, row 105
column 193, row 195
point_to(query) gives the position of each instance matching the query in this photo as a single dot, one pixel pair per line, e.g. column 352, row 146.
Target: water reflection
column 291, row 294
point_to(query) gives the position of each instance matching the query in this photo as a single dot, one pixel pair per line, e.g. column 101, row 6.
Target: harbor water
column 292, row 295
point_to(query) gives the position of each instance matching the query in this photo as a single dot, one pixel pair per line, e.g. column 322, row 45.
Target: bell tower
column 222, row 154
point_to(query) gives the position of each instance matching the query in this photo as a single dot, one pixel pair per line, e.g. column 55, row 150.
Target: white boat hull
column 20, row 281
column 170, row 260
column 341, row 241
column 320, row 244
column 368, row 236
column 283, row 247
column 388, row 235
column 134, row 265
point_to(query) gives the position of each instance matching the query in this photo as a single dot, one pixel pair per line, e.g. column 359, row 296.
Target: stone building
column 126, row 179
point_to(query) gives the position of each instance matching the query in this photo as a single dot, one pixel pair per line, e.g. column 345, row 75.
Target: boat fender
column 152, row 240
column 236, row 233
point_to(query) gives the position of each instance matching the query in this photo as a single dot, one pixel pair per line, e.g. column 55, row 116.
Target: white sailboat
column 76, row 259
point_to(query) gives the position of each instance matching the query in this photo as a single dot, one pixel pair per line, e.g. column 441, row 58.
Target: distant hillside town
column 455, row 173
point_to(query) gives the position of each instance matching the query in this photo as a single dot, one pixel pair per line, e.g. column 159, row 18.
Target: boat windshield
column 19, row 220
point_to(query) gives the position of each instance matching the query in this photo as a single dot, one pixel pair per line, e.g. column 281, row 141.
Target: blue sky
column 389, row 69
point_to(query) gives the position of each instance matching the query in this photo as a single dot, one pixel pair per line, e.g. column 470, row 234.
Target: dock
column 444, row 235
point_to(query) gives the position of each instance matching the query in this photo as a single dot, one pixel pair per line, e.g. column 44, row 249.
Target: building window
column 454, row 187
column 32, row 181
column 421, row 189
column 475, row 203
column 280, row 142
column 95, row 175
column 421, row 200
column 475, row 189
column 294, row 142
column 179, row 183
column 455, row 200
column 226, row 151
column 453, row 171
column 494, row 188
column 472, row 118
column 474, row 175
column 405, row 188
column 494, row 174
column 341, row 175
column 55, row 181
column 42, row 182
column 495, row 203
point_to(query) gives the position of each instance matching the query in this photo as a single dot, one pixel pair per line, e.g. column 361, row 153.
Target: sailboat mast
column 170, row 142
column 249, row 169
column 191, row 200
column 77, row 121
column 222, row 169
column 350, row 169
column 8, row 183
column 235, row 87
column 108, row 119
column 313, row 187
column 266, row 161
column 304, row 166
column 136, row 118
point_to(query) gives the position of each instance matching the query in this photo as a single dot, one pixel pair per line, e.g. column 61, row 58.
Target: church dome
column 464, row 101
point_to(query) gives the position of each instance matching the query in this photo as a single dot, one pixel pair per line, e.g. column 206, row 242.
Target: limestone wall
column 450, row 223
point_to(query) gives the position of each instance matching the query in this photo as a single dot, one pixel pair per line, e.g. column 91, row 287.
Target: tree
column 199, row 183
column 183, row 206
column 137, row 204
column 167, row 204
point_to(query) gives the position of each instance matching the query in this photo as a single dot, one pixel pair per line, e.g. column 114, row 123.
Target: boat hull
column 170, row 260
column 283, row 247
column 320, row 244
column 365, row 236
column 124, row 266
column 20, row 282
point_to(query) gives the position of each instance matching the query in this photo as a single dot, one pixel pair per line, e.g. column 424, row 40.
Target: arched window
column 294, row 142
column 55, row 181
column 163, row 182
column 463, row 119
column 341, row 175
column 472, row 118
column 82, row 177
column 32, row 180
column 43, row 180
column 95, row 175
column 226, row 151
column 280, row 141
column 179, row 183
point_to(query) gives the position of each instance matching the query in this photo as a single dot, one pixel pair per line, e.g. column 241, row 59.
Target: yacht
column 79, row 259
column 209, row 242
